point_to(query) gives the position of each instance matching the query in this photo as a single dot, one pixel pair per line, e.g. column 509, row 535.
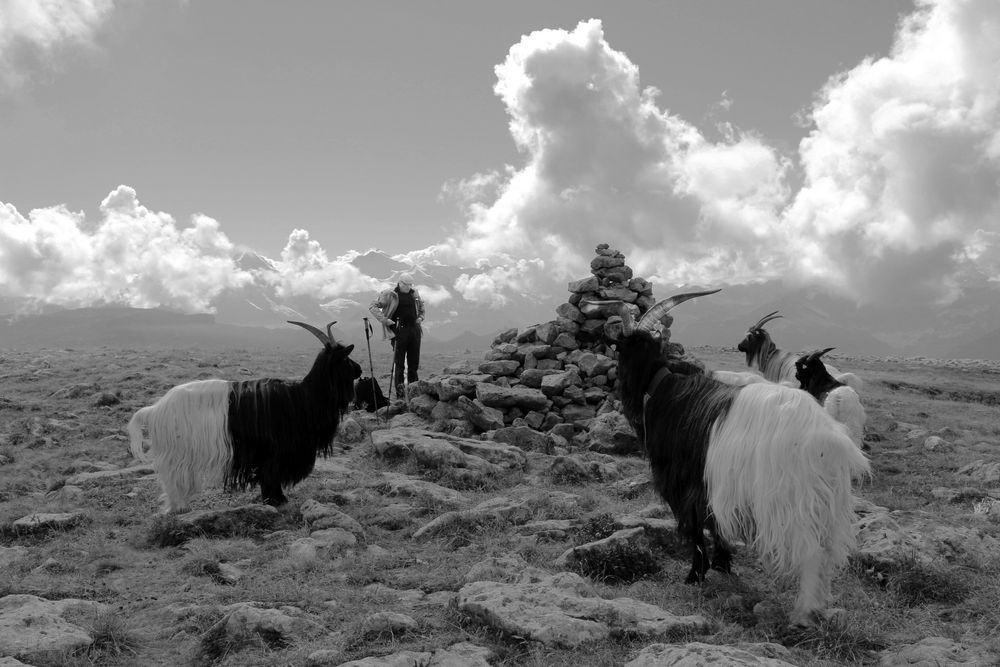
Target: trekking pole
column 392, row 375
column 371, row 366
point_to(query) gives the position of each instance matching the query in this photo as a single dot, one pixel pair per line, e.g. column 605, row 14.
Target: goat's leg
column 177, row 484
column 722, row 555
column 175, row 501
column 811, row 600
column 699, row 551
column 270, row 490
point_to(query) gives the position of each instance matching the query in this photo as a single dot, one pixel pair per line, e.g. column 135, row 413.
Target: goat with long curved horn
column 726, row 459
column 764, row 320
column 326, row 338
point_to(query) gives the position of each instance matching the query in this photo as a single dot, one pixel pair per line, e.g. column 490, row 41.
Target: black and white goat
column 837, row 398
column 777, row 365
column 761, row 463
column 241, row 433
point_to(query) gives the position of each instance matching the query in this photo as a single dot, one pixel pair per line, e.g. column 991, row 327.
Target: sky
column 852, row 146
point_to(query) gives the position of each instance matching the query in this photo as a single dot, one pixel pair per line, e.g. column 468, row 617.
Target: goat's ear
column 348, row 350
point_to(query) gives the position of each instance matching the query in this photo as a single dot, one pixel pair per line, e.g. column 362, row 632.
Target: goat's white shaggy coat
column 779, row 472
column 194, row 417
column 737, row 378
column 844, row 405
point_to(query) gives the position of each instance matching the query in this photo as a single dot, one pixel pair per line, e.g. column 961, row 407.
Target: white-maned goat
column 761, row 463
column 240, row 433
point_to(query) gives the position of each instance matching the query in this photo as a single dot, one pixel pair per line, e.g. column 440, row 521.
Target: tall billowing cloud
column 902, row 189
column 900, row 172
column 132, row 256
column 32, row 33
column 603, row 163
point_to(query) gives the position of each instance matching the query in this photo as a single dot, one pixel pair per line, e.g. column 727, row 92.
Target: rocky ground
column 416, row 546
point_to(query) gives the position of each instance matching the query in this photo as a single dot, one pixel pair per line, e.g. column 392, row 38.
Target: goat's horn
column 764, row 320
column 825, row 351
column 329, row 333
column 314, row 331
column 657, row 311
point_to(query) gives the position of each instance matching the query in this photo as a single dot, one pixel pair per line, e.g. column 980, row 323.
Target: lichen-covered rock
column 494, row 396
column 523, row 437
column 696, row 654
column 499, row 368
column 483, row 417
column 32, row 625
column 563, row 611
column 611, row 433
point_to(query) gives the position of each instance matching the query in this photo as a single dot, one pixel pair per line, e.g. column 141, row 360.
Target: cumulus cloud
column 900, row 172
column 434, row 295
column 899, row 191
column 603, row 163
column 305, row 269
column 902, row 169
column 131, row 256
column 33, row 32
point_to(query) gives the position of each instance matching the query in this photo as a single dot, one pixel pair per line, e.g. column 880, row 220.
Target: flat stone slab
column 697, row 654
column 133, row 472
column 40, row 521
column 30, row 624
column 563, row 612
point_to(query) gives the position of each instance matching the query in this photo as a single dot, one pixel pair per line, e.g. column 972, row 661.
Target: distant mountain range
column 256, row 315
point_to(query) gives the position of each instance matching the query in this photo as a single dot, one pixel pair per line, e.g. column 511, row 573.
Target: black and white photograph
column 553, row 333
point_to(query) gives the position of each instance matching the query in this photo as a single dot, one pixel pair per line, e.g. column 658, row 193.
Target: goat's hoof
column 810, row 619
column 275, row 502
column 694, row 578
column 723, row 567
column 833, row 617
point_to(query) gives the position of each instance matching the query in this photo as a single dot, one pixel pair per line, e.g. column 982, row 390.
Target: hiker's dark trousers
column 408, row 349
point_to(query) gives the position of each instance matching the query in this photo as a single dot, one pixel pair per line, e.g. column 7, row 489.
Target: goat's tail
column 135, row 433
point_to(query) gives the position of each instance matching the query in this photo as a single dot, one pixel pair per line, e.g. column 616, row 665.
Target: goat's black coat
column 675, row 424
column 278, row 427
column 368, row 394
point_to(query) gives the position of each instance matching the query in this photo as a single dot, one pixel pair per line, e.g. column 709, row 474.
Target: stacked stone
column 556, row 377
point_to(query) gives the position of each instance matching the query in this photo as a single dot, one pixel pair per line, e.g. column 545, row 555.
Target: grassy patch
column 845, row 645
column 618, row 564
column 914, row 583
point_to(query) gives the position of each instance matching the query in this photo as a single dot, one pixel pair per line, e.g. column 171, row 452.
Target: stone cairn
column 548, row 384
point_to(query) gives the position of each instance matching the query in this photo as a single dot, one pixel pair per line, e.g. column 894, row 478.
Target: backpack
column 368, row 394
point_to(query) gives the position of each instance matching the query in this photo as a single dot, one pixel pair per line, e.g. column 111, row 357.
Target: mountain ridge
column 969, row 327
